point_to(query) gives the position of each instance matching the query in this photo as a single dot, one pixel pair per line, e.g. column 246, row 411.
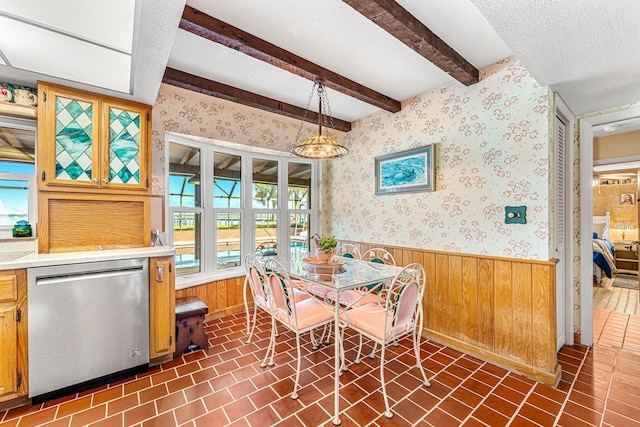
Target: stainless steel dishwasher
column 87, row 322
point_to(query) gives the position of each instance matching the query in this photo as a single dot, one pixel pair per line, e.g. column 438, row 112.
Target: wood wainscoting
column 223, row 297
column 499, row 310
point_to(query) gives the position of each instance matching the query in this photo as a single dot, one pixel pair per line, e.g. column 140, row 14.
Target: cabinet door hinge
column 18, row 380
column 169, row 267
column 44, row 175
column 148, row 117
column 44, row 95
column 170, row 339
column 18, row 315
column 147, row 182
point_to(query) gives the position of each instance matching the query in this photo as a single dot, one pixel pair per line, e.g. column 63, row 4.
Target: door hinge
column 169, row 267
column 18, row 315
column 44, row 175
column 170, row 339
column 44, row 96
column 148, row 118
column 147, row 182
column 18, row 380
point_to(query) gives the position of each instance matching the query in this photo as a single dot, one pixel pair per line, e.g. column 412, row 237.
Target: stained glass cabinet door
column 67, row 138
column 125, row 153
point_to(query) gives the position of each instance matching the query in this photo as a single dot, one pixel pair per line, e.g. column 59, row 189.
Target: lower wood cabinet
column 162, row 304
column 13, row 334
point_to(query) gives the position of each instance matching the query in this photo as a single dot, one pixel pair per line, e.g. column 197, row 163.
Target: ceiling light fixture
column 319, row 146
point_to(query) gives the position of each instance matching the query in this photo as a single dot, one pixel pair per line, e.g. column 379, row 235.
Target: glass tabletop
column 340, row 273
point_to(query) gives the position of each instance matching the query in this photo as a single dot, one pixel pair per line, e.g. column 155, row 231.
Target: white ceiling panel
column 35, row 49
column 106, row 22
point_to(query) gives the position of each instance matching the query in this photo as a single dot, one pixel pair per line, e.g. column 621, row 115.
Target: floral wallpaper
column 492, row 150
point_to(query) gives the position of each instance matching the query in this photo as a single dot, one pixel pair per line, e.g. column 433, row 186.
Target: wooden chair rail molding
column 496, row 309
column 500, row 310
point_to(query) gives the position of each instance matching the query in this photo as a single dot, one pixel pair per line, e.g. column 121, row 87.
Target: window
column 226, row 200
column 17, row 173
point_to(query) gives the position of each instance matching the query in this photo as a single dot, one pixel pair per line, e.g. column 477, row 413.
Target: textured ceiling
column 586, row 50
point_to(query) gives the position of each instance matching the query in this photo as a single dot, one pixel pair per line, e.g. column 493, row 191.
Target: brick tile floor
column 225, row 386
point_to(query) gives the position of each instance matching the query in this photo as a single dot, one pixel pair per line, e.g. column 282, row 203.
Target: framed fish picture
column 406, row 171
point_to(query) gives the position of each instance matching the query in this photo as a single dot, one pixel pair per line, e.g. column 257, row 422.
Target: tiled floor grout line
column 604, row 408
column 573, row 383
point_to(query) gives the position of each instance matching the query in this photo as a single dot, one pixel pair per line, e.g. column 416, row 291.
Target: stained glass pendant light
column 320, row 146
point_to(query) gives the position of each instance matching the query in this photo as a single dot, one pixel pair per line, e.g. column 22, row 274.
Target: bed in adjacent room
column 603, row 250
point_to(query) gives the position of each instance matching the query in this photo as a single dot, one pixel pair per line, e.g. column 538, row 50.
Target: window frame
column 32, row 191
column 208, row 237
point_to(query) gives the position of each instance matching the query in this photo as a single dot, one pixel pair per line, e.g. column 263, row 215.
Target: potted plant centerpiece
column 325, row 246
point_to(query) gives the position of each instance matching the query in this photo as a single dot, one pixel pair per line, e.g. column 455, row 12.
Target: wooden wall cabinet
column 89, row 142
column 162, row 307
column 13, row 334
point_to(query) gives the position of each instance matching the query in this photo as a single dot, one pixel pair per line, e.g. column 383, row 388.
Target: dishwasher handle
column 52, row 280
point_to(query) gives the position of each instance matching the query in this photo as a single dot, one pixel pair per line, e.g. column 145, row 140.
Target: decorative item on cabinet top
column 18, row 94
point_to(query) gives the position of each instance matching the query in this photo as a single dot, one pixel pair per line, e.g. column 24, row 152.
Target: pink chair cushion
column 356, row 297
column 317, row 290
column 309, row 313
column 370, row 318
column 300, row 295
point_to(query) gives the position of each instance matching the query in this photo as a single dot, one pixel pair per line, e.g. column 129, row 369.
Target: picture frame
column 406, row 171
column 628, row 199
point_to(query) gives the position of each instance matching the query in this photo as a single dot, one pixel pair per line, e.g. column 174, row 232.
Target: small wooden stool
column 190, row 313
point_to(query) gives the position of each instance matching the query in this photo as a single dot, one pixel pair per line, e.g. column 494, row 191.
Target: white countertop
column 11, row 260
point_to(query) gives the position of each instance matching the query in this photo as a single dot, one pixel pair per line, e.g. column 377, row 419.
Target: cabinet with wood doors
column 90, row 142
column 162, row 304
column 13, row 334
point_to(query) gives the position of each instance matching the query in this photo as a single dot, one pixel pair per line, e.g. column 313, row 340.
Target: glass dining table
column 338, row 275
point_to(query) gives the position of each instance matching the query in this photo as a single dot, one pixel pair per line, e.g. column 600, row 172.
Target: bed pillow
column 599, row 230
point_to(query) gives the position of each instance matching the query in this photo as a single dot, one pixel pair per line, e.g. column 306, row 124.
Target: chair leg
column 416, row 350
column 271, row 348
column 357, row 360
column 387, row 412
column 312, row 336
column 253, row 323
column 326, row 333
column 294, row 395
column 246, row 304
column 373, row 351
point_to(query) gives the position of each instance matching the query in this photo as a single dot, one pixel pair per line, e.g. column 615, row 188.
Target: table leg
column 337, row 343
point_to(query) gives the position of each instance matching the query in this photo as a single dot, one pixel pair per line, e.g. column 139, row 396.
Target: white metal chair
column 401, row 315
column 367, row 296
column 380, row 255
column 256, row 278
column 348, row 250
column 298, row 317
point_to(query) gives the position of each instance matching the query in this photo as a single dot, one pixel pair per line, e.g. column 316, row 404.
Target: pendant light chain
column 306, row 110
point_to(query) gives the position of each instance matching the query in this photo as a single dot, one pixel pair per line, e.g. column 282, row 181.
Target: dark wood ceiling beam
column 213, row 29
column 398, row 22
column 219, row 90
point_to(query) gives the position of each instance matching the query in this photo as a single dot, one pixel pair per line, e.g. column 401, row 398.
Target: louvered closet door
column 561, row 185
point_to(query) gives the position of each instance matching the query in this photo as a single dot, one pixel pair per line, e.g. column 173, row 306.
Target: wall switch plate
column 515, row 215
